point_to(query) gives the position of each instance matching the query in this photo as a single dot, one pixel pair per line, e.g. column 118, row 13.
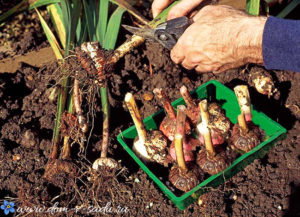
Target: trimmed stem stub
column 203, row 128
column 164, row 99
column 242, row 122
column 187, row 97
column 243, row 97
column 126, row 47
column 76, row 99
column 179, row 136
column 136, row 117
column 66, row 151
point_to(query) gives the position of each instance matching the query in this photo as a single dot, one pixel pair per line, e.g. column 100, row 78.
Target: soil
column 268, row 187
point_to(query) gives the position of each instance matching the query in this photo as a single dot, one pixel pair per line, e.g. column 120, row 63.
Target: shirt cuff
column 281, row 44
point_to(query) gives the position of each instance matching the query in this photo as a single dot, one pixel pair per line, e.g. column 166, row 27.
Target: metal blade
column 145, row 33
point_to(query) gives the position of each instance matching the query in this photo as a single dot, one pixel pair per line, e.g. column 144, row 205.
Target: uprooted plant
column 79, row 24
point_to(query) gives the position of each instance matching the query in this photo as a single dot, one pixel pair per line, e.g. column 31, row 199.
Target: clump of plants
column 87, row 32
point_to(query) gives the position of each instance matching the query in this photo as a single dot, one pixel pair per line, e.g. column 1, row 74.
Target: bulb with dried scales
column 208, row 160
column 168, row 124
column 219, row 124
column 263, row 82
column 149, row 146
column 183, row 176
column 245, row 135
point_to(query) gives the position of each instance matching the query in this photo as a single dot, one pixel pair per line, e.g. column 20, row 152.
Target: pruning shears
column 166, row 33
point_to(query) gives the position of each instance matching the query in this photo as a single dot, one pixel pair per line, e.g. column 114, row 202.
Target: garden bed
column 269, row 186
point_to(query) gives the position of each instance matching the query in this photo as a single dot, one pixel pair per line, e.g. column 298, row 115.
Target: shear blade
column 145, row 33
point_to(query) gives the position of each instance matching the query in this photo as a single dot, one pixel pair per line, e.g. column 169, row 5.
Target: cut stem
column 66, row 150
column 179, row 137
column 126, row 47
column 136, row 40
column 164, row 99
column 77, row 105
column 242, row 122
column 187, row 97
column 243, row 97
column 136, row 117
column 203, row 128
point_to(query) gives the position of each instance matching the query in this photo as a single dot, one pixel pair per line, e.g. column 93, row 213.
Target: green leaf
column 56, row 18
column 81, row 31
column 252, row 7
column 69, row 104
column 104, row 101
column 66, row 18
column 40, row 3
column 113, row 27
column 61, row 104
column 50, row 37
column 75, row 14
column 102, row 22
column 291, row 6
column 162, row 17
column 127, row 5
column 94, row 14
column 88, row 13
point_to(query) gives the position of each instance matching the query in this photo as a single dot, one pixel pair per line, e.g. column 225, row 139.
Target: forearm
column 281, row 44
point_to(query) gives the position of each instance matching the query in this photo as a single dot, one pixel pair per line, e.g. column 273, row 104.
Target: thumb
column 159, row 5
column 183, row 8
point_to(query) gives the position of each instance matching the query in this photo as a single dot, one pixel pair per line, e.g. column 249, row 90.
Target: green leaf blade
column 89, row 11
column 113, row 28
column 252, row 7
column 50, row 37
column 66, row 18
column 102, row 22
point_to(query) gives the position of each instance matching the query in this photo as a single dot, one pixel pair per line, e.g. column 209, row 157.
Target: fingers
column 183, row 8
column 228, row 66
column 159, row 5
column 176, row 56
column 216, row 11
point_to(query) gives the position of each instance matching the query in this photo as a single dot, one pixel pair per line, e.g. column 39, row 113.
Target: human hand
column 220, row 38
column 183, row 8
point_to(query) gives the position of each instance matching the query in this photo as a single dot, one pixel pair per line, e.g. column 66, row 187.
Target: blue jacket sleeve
column 281, row 44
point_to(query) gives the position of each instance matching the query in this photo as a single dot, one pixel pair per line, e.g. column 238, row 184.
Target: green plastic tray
column 213, row 90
